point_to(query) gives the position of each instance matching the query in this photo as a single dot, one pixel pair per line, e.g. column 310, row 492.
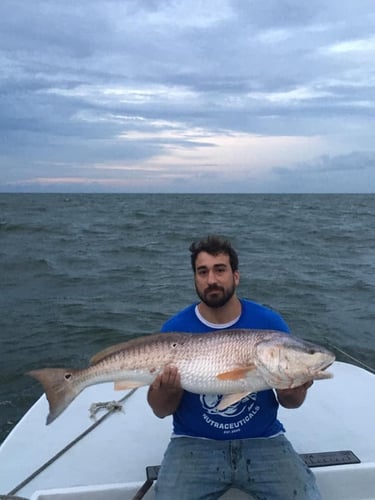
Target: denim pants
column 265, row 468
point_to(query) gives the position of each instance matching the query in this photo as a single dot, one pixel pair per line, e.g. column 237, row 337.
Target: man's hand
column 168, row 380
column 165, row 392
column 293, row 398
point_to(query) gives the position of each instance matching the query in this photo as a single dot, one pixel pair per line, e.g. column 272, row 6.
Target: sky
column 270, row 96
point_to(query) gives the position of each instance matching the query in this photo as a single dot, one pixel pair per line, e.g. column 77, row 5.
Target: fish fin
column 123, row 385
column 137, row 342
column 236, row 373
column 59, row 386
column 107, row 352
column 230, row 399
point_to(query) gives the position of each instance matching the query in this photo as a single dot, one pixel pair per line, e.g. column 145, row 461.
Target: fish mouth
column 328, row 362
column 322, row 373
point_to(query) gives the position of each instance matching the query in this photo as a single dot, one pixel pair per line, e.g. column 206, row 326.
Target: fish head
column 286, row 361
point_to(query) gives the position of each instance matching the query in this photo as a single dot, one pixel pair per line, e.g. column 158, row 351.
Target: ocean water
column 81, row 272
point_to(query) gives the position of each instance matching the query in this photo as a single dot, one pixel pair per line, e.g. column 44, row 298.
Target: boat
column 115, row 453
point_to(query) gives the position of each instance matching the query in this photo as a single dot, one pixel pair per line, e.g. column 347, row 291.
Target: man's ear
column 236, row 275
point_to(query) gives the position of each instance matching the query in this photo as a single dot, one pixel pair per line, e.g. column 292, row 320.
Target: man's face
column 215, row 282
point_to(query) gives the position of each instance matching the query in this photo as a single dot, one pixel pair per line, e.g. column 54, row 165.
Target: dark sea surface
column 81, row 272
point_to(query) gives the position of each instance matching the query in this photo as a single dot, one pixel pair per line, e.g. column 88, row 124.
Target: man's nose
column 211, row 277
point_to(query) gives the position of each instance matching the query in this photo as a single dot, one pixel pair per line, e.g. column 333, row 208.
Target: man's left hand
column 293, row 398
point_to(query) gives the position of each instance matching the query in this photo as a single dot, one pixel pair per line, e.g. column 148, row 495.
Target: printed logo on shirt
column 239, row 413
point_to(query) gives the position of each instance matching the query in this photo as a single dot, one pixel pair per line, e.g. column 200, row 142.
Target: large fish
column 229, row 362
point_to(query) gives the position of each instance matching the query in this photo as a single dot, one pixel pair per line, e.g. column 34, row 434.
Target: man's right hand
column 165, row 392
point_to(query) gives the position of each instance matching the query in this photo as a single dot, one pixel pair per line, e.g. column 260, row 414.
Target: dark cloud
column 352, row 162
column 351, row 173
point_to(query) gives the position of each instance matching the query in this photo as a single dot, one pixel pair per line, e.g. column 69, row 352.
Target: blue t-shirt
column 253, row 416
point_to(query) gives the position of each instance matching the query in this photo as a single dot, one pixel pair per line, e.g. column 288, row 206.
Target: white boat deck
column 109, row 463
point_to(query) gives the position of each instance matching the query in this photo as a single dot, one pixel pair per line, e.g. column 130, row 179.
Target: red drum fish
column 233, row 363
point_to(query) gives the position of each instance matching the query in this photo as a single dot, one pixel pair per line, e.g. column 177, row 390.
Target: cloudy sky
column 187, row 95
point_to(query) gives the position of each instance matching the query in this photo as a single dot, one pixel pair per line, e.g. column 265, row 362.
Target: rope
column 358, row 361
column 69, row 445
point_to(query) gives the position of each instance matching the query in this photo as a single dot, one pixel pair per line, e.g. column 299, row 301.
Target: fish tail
column 60, row 387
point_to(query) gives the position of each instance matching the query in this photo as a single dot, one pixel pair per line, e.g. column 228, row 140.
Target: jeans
column 266, row 468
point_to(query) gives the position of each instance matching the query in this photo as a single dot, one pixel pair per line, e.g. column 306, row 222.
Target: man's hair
column 214, row 245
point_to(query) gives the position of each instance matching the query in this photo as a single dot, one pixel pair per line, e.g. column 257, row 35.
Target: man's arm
column 293, row 398
column 165, row 393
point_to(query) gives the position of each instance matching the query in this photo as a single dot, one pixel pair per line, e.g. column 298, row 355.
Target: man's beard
column 216, row 300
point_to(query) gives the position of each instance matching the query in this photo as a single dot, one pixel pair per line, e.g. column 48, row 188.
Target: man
column 243, row 446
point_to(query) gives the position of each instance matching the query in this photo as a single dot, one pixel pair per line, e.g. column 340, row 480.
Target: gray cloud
column 108, row 82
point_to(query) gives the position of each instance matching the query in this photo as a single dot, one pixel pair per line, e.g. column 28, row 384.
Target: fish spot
column 67, row 376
